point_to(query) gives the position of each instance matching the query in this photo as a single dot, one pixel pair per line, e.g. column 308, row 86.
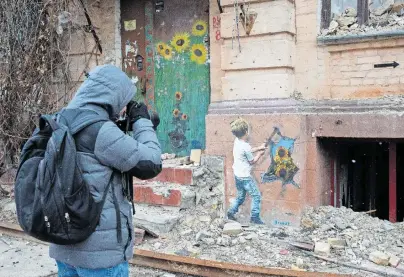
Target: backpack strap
column 78, row 119
column 45, row 120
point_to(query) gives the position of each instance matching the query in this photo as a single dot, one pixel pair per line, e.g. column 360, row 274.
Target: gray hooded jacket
column 106, row 152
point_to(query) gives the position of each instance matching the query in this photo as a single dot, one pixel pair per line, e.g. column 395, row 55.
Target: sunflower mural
column 180, row 42
column 182, row 88
column 198, row 53
column 200, row 28
column 177, row 136
column 282, row 166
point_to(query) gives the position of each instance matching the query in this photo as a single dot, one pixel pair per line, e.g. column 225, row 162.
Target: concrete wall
column 105, row 16
column 264, row 68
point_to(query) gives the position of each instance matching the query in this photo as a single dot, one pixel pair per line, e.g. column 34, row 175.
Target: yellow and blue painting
column 282, row 166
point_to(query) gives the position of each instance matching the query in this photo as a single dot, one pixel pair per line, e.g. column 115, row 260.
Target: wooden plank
column 186, row 268
column 393, row 182
column 231, row 266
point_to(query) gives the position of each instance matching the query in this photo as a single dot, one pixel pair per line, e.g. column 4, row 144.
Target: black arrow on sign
column 393, row 64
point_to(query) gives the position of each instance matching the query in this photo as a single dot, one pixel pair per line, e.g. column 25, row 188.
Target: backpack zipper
column 67, row 217
column 47, row 223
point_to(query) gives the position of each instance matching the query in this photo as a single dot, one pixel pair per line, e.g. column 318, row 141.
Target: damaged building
column 321, row 81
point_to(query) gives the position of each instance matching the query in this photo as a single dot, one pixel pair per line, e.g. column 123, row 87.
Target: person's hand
column 262, row 147
column 136, row 111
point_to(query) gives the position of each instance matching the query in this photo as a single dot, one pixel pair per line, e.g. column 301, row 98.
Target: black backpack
column 54, row 203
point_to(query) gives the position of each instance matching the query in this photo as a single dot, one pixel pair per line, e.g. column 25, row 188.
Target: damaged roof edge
column 382, row 35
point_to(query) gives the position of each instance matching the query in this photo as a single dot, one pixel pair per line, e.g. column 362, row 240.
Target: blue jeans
column 244, row 186
column 65, row 270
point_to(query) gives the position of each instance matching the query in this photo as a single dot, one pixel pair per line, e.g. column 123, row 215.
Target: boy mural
column 243, row 162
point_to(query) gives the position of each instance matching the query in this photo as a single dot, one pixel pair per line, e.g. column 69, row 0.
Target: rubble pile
column 8, row 211
column 356, row 239
column 387, row 17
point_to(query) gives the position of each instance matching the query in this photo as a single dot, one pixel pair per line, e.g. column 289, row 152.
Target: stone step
column 181, row 175
column 155, row 220
column 163, row 194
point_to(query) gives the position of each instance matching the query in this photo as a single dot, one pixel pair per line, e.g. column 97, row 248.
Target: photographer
column 109, row 155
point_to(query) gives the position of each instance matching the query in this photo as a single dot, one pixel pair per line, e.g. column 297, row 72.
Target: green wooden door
column 181, row 71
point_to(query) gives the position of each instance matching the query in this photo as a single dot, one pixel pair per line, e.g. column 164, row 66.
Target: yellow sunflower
column 200, row 28
column 178, row 95
column 180, row 42
column 160, row 47
column 281, row 154
column 176, row 112
column 198, row 53
column 281, row 171
column 167, row 52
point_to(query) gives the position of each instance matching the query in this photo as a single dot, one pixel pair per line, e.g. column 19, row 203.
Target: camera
column 125, row 125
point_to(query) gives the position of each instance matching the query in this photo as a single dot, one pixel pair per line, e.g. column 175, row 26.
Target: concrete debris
column 394, row 261
column 168, row 275
column 337, row 243
column 322, row 248
column 383, row 8
column 8, row 210
column 139, row 235
column 294, row 267
column 232, row 228
column 379, row 258
column 167, row 156
column 339, row 233
column 387, row 17
column 203, row 234
column 155, row 220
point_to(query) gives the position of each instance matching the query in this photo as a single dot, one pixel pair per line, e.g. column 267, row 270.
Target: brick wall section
column 216, row 72
column 311, row 61
column 342, row 71
column 264, row 67
column 105, row 16
column 172, row 175
column 146, row 195
column 354, row 73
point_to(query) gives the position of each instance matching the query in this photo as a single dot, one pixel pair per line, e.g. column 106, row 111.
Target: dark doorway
column 361, row 175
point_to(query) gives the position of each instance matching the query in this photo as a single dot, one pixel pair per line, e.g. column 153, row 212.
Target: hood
column 107, row 86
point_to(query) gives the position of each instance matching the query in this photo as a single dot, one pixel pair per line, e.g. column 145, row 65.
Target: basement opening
column 364, row 175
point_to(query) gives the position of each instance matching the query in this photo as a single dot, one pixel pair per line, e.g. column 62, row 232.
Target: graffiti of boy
column 244, row 159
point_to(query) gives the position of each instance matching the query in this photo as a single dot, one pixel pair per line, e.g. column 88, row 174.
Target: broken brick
column 337, row 243
column 379, row 258
column 232, row 228
column 322, row 248
column 139, row 236
column 394, row 261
